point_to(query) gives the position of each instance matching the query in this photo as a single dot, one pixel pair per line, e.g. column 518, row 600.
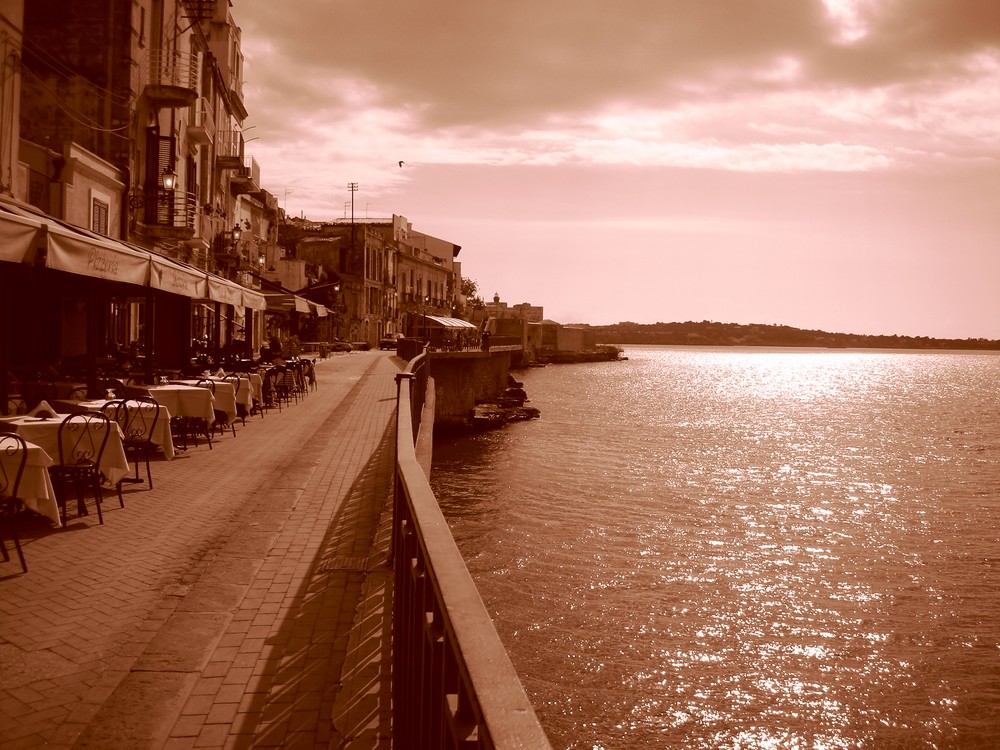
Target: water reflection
column 728, row 549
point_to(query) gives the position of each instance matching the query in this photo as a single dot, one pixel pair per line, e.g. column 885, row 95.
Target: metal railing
column 174, row 68
column 453, row 683
column 171, row 208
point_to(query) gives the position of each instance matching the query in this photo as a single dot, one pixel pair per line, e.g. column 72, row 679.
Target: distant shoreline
column 735, row 334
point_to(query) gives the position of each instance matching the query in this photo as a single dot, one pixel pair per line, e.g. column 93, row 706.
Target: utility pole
column 353, row 187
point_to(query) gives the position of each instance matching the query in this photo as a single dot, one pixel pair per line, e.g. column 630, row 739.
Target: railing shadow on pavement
column 309, row 677
column 453, row 684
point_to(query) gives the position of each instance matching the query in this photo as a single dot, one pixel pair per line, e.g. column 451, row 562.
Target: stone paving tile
column 264, row 540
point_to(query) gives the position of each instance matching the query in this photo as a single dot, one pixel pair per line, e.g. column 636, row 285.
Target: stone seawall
column 472, row 389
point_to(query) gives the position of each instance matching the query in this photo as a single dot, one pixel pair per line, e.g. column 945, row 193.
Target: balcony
column 246, row 179
column 170, row 214
column 174, row 78
column 201, row 129
column 229, row 150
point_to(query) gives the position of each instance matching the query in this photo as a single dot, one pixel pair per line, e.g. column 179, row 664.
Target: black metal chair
column 137, row 418
column 285, row 388
column 82, row 438
column 13, row 457
column 269, row 389
column 15, row 407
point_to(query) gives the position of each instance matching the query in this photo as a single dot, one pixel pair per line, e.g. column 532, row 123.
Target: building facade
column 131, row 126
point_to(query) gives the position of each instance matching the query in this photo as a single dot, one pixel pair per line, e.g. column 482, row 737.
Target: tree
column 470, row 291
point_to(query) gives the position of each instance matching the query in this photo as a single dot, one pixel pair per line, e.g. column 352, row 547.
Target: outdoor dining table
column 253, row 394
column 161, row 431
column 36, row 490
column 225, row 394
column 45, row 434
column 185, row 401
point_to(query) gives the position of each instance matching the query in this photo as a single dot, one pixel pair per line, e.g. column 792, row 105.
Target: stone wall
column 464, row 379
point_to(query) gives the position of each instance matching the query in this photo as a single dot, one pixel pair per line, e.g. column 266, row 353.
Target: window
column 99, row 216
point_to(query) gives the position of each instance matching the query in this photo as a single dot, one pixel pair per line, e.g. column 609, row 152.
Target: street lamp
column 235, row 233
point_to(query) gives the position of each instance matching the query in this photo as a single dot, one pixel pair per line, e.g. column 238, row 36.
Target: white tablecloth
column 45, row 434
column 185, row 401
column 161, row 431
column 256, row 387
column 36, row 490
column 225, row 394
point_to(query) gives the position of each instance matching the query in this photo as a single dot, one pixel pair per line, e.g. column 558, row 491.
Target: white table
column 185, row 401
column 225, row 394
column 161, row 430
column 45, row 434
column 36, row 490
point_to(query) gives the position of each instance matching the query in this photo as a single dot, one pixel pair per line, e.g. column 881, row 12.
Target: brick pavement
column 239, row 603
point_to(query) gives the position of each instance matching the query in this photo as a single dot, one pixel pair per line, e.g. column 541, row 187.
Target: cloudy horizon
column 827, row 164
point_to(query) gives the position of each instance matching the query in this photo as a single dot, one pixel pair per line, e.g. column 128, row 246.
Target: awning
column 29, row 236
column 450, row 322
column 254, row 300
column 169, row 276
column 288, row 302
column 74, row 250
column 17, row 238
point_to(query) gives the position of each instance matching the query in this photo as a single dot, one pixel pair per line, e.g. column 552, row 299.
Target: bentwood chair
column 82, row 438
column 13, row 457
column 137, row 418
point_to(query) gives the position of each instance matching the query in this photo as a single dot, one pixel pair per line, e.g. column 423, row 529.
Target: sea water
column 745, row 548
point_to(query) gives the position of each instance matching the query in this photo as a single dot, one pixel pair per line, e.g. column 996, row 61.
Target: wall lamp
column 169, row 178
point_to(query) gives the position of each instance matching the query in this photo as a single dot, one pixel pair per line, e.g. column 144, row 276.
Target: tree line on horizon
column 710, row 333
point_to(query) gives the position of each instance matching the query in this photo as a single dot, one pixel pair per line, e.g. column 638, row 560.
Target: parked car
column 389, row 341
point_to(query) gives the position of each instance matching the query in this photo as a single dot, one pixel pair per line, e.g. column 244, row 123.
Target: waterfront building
column 428, row 282
column 523, row 311
column 131, row 126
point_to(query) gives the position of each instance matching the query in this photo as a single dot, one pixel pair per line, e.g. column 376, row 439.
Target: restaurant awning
column 169, row 276
column 287, row 302
column 65, row 248
column 29, row 236
column 17, row 238
column 450, row 322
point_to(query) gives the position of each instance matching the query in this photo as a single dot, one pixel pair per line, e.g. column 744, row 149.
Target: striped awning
column 450, row 322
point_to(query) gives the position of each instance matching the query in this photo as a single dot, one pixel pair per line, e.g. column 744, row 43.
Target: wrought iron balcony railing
column 170, row 213
column 201, row 128
column 173, row 77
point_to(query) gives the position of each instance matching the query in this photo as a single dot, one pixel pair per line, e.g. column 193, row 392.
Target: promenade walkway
column 241, row 603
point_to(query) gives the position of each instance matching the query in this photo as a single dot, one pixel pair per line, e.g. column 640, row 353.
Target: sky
column 822, row 164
